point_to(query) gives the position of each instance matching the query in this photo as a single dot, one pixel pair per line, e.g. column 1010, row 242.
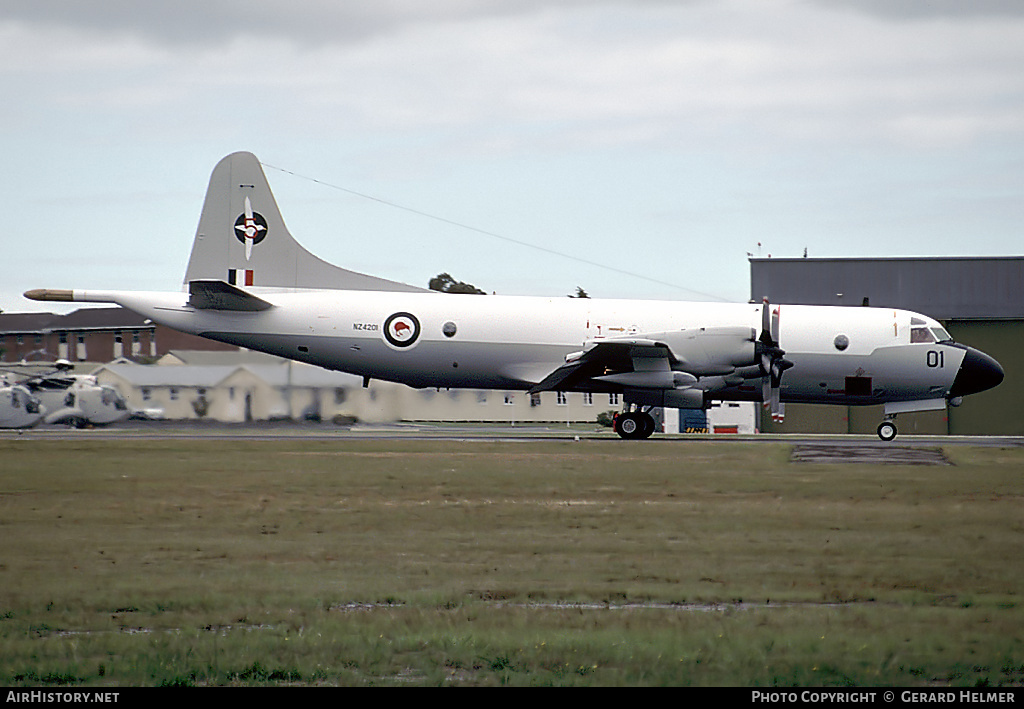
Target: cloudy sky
column 639, row 149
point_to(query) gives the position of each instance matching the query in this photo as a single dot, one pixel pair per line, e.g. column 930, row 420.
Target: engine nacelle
column 685, row 398
column 710, row 351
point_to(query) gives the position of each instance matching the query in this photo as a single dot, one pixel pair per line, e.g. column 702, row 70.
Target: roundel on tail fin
column 251, row 227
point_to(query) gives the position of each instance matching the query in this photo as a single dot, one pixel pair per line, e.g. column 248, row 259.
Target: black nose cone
column 978, row 372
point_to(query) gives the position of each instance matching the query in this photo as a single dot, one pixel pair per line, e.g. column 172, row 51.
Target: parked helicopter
column 19, row 408
column 74, row 399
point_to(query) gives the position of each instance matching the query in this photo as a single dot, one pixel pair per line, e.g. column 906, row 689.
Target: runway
column 167, row 430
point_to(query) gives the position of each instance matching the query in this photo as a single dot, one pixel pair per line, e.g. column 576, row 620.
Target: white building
column 251, row 386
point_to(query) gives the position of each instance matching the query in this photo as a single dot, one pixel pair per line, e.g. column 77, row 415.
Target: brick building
column 91, row 334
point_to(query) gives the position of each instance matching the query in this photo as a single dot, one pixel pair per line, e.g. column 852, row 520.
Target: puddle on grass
column 681, row 607
column 871, row 454
column 608, row 606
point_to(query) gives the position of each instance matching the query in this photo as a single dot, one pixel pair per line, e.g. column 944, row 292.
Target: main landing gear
column 634, row 425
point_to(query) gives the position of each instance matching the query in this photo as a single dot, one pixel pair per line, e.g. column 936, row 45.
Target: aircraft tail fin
column 243, row 241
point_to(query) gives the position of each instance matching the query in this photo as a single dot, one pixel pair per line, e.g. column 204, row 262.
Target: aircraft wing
column 599, row 359
column 665, row 360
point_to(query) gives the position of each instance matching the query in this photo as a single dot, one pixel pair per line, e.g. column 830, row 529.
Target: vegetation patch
column 332, row 562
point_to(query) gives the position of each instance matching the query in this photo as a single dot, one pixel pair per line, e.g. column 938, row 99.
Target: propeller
column 772, row 361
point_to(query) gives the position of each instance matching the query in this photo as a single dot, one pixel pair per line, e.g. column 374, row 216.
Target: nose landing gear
column 887, row 429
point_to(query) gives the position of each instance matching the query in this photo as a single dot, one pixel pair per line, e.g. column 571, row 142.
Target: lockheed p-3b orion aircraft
column 249, row 283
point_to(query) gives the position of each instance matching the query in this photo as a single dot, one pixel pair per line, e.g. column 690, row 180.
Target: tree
column 580, row 293
column 444, row 283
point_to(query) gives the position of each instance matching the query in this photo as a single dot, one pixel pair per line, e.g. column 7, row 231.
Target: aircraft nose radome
column 978, row 372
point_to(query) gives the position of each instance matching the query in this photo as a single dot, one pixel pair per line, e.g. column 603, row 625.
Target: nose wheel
column 887, row 430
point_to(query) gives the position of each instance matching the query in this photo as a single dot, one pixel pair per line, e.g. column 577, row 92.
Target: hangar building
column 980, row 301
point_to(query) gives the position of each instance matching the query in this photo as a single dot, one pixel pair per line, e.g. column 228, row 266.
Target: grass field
column 593, row 562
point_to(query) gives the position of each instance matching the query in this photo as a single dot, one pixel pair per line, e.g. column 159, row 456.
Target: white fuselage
column 513, row 342
column 19, row 408
column 78, row 399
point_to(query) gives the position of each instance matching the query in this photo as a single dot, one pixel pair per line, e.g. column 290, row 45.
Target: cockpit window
column 110, row 396
column 921, row 334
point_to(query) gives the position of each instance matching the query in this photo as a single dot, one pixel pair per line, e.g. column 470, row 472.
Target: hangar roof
column 946, row 288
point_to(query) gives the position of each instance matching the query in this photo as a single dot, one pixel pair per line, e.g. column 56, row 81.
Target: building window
column 613, row 399
column 174, row 393
column 588, row 398
column 560, row 398
column 510, row 399
column 147, row 394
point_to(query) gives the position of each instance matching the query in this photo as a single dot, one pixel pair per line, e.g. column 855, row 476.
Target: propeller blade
column 766, row 310
column 778, row 367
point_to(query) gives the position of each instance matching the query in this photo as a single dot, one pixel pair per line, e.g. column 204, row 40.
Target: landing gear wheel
column 648, row 421
column 634, row 425
column 887, row 430
column 628, row 426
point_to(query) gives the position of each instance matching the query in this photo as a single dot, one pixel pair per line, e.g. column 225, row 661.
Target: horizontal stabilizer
column 218, row 295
